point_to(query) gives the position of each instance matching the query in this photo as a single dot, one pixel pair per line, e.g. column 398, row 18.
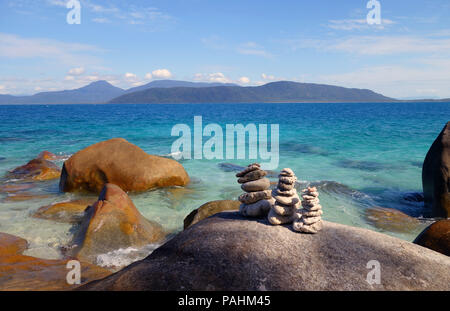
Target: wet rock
column 229, row 252
column 113, row 222
column 37, row 170
column 390, row 219
column 436, row 237
column 24, row 196
column 67, row 212
column 119, row 162
column 22, row 273
column 209, row 209
column 436, row 175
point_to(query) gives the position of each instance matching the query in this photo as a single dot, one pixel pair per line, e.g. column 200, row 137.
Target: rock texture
column 68, row 212
column 230, row 252
column 257, row 200
column 113, row 222
column 436, row 175
column 119, row 162
column 309, row 218
column 287, row 202
column 436, row 237
column 19, row 272
column 390, row 219
column 209, row 209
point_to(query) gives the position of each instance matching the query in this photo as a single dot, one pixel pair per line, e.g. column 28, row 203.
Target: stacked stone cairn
column 309, row 218
column 286, row 198
column 257, row 200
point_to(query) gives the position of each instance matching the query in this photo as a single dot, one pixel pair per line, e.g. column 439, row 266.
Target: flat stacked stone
column 257, row 200
column 309, row 218
column 286, row 198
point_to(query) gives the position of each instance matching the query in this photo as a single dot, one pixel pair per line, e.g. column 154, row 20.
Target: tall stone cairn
column 257, row 199
column 286, row 198
column 309, row 218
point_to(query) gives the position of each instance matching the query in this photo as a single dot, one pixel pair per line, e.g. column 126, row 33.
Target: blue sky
column 129, row 43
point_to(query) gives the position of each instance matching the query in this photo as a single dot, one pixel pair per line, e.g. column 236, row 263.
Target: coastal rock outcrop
column 257, row 200
column 113, row 222
column 119, row 162
column 309, row 218
column 287, row 202
column 20, row 272
column 209, row 209
column 436, row 175
column 229, row 252
column 436, row 237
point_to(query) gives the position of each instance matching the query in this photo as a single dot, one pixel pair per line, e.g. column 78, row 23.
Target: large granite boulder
column 229, row 252
column 436, row 237
column 436, row 175
column 209, row 209
column 111, row 223
column 20, row 272
column 119, row 162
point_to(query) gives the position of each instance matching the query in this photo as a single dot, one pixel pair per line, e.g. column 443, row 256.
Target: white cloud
column 101, row 20
column 212, row 77
column 252, row 48
column 357, row 24
column 148, row 76
column 16, row 47
column 268, row 77
column 76, row 71
column 130, row 76
column 244, row 80
column 161, row 74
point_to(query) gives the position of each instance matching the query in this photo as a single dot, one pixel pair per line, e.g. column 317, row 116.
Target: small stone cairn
column 286, row 198
column 309, row 218
column 257, row 200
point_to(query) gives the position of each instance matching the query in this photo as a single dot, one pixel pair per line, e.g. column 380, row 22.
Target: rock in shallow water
column 113, row 222
column 391, row 220
column 20, row 272
column 229, row 252
column 436, row 175
column 436, row 237
column 119, row 162
column 209, row 209
column 70, row 211
column 38, row 169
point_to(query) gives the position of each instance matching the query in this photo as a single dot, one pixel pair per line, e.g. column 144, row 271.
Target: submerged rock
column 229, row 252
column 436, row 175
column 113, row 222
column 19, row 272
column 70, row 211
column 38, row 170
column 209, row 209
column 436, row 237
column 391, row 220
column 119, row 162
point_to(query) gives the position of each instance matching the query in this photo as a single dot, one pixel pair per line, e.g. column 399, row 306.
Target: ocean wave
column 124, row 256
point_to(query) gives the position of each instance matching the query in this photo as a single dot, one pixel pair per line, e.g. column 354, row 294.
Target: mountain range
column 173, row 91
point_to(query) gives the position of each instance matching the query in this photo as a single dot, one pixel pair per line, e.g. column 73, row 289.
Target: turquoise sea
column 361, row 155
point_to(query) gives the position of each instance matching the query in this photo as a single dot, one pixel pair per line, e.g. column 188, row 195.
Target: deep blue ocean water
column 362, row 155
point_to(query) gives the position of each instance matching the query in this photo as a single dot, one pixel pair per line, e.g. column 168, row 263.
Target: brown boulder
column 390, row 219
column 209, row 209
column 20, row 272
column 71, row 211
column 119, row 162
column 11, row 245
column 436, row 237
column 436, row 175
column 113, row 222
column 37, row 169
column 47, row 155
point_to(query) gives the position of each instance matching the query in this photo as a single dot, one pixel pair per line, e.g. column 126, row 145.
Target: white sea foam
column 124, row 256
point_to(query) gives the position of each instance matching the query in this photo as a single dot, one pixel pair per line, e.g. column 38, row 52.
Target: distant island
column 173, row 91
